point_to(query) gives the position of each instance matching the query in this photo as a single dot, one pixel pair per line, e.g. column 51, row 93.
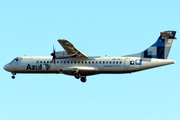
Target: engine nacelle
column 63, row 54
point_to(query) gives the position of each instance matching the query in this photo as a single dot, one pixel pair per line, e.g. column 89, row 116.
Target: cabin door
column 126, row 64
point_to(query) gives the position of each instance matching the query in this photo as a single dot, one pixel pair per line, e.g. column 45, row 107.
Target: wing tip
column 62, row 40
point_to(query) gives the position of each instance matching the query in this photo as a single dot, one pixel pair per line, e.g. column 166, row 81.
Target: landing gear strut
column 13, row 76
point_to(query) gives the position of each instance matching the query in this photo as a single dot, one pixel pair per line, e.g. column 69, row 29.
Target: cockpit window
column 15, row 60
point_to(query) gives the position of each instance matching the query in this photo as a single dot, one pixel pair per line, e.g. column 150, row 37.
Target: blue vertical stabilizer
column 160, row 49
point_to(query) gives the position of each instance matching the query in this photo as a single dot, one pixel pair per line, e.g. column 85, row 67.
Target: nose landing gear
column 13, row 75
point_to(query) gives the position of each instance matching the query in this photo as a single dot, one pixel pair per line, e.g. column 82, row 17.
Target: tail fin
column 161, row 48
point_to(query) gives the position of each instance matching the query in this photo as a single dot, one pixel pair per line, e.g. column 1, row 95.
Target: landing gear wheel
column 83, row 79
column 13, row 77
column 77, row 76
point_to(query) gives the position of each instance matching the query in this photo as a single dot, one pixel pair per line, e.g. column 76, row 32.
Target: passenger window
column 113, row 62
column 74, row 62
column 78, row 61
column 47, row 61
column 92, row 62
column 106, row 62
column 116, row 62
column 57, row 62
column 110, row 62
column 82, row 62
column 44, row 61
column 37, row 61
column 71, row 62
column 120, row 62
column 64, row 62
column 99, row 62
column 85, row 62
column 103, row 62
column 89, row 62
column 61, row 62
column 96, row 62
column 68, row 62
column 40, row 61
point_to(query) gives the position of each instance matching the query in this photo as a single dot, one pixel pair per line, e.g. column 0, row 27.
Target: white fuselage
column 90, row 66
column 74, row 62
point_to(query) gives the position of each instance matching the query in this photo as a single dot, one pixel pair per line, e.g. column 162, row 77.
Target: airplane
column 75, row 63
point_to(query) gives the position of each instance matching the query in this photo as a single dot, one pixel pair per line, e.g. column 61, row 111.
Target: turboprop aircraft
column 75, row 63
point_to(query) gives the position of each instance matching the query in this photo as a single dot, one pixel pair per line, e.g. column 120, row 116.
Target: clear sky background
column 96, row 28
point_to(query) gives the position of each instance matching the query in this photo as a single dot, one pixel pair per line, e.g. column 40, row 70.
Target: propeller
column 54, row 55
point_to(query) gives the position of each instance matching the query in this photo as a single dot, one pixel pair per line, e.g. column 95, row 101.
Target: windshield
column 15, row 60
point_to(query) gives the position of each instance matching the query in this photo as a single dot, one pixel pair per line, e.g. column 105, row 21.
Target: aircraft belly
column 83, row 73
column 35, row 71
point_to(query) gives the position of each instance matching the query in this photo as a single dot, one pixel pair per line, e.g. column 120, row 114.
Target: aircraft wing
column 70, row 49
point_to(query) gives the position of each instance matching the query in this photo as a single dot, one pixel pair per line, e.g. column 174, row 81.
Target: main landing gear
column 83, row 78
column 13, row 75
column 77, row 75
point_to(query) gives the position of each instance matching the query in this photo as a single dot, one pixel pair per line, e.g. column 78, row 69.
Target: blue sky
column 96, row 28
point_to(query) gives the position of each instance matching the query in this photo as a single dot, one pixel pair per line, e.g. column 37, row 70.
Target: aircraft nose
column 5, row 68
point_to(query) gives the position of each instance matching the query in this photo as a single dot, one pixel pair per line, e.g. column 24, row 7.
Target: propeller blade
column 54, row 55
